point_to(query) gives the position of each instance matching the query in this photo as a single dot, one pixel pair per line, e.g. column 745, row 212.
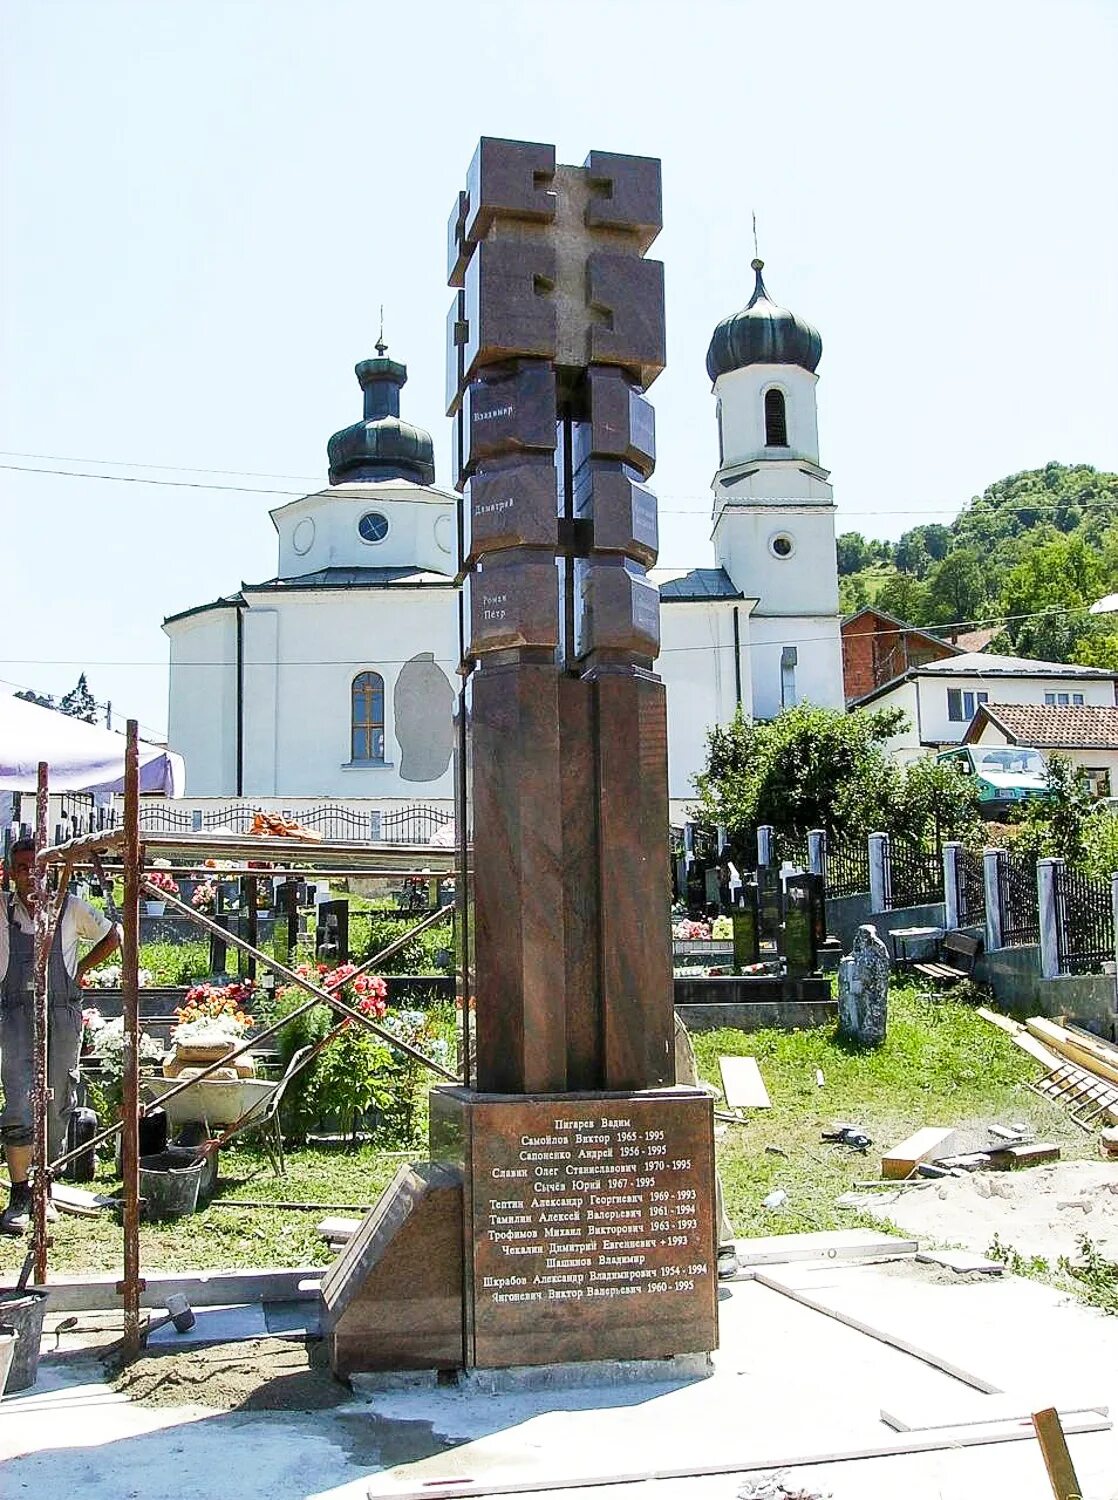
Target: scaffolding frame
column 128, row 848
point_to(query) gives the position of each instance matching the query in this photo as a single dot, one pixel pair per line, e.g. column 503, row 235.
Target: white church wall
column 818, row 670
column 805, row 582
column 261, row 647
column 696, row 663
column 325, row 639
column 741, row 397
column 202, row 708
column 320, row 531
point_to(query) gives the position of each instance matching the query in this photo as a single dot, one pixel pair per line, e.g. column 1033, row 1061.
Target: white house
column 337, row 677
column 941, row 698
column 1085, row 734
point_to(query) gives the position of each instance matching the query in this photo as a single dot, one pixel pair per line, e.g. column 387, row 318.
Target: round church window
column 444, row 533
column 373, row 526
column 302, row 538
column 781, row 545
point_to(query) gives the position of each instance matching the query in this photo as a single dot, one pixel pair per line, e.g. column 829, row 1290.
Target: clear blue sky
column 204, row 204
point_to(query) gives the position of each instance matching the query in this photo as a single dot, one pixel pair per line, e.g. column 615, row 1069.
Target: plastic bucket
column 169, row 1183
column 22, row 1313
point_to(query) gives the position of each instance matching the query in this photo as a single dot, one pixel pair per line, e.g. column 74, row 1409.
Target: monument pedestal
column 587, row 1223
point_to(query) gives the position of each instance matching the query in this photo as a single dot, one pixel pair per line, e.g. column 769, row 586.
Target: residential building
column 877, row 648
column 940, row 698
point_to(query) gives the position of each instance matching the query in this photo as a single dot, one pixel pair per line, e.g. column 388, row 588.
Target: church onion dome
column 382, row 446
column 762, row 334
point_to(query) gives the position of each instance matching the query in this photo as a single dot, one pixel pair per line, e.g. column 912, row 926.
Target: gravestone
column 747, row 948
column 331, row 937
column 863, row 989
column 588, row 1176
column 770, row 908
column 800, row 926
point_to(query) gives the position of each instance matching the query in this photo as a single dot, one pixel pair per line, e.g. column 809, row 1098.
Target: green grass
column 941, row 1064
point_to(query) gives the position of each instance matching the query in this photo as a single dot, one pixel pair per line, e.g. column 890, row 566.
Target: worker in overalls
column 76, row 923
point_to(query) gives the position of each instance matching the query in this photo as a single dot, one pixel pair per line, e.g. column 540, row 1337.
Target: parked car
column 1007, row 775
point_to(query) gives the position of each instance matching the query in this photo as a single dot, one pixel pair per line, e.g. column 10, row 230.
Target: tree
column 902, row 597
column 935, row 800
column 79, row 702
column 1058, row 823
column 44, row 700
column 807, row 768
column 1046, row 597
column 956, row 590
column 853, row 553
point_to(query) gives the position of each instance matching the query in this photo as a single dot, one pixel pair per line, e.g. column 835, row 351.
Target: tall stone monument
column 587, row 1176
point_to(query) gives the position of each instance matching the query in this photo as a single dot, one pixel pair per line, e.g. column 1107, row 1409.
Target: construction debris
column 1032, row 1154
column 1077, row 1046
column 961, row 1261
column 742, row 1083
column 926, row 1145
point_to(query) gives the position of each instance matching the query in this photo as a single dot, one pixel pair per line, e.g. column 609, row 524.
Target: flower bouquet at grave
column 162, row 881
column 108, row 1049
column 722, row 929
column 690, row 932
column 92, row 1022
column 212, row 1021
column 111, row 977
column 204, row 898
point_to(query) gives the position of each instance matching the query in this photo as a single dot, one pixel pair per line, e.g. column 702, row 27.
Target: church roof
column 762, row 333
column 699, row 583
column 354, row 578
column 382, row 445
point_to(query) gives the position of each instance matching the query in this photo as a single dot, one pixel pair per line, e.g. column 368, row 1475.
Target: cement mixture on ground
column 254, row 1375
column 1036, row 1210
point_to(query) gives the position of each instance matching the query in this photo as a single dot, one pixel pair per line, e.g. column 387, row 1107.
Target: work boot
column 16, row 1217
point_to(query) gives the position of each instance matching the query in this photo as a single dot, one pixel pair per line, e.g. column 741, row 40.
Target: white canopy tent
column 81, row 757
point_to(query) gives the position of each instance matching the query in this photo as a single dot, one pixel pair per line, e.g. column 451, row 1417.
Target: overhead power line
column 706, row 501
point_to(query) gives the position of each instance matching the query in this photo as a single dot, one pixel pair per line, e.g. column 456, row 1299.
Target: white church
column 337, row 677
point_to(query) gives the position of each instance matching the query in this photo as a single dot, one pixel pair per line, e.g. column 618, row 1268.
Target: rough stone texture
column 863, row 983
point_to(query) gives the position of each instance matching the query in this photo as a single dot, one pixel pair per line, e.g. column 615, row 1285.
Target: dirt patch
column 256, row 1375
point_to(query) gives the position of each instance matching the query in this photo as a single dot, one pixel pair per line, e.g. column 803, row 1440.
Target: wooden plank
column 826, row 1244
column 1057, row 1459
column 931, row 1141
column 742, row 1083
column 466, row 1487
column 1031, row 1154
column 1017, row 1033
column 1074, row 1046
column 338, row 1231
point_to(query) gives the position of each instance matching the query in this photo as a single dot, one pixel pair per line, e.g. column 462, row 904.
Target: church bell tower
column 774, row 527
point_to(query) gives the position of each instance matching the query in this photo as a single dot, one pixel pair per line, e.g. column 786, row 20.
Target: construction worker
column 77, row 922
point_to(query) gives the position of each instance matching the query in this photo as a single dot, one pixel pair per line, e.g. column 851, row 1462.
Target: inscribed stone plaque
column 515, row 604
column 508, row 414
column 799, row 927
column 515, row 506
column 588, row 1223
column 746, row 949
column 623, row 512
column 618, row 609
column 770, row 909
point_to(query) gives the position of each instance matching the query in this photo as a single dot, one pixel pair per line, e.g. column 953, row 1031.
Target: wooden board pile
column 1081, row 1070
column 933, row 1152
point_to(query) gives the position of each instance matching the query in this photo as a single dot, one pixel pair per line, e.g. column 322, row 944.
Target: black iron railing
column 971, row 886
column 1084, row 922
column 846, row 867
column 1017, row 900
column 914, row 876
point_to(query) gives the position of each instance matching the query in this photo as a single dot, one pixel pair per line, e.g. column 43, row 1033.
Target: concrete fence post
column 951, row 901
column 880, row 894
column 991, row 864
column 1114, row 913
column 1050, row 914
column 816, row 851
column 764, row 845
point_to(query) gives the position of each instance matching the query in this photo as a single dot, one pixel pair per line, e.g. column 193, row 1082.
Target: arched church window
column 776, row 420
column 367, row 718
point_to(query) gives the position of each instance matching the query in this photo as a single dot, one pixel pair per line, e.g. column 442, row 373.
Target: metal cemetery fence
column 404, row 825
column 913, row 876
column 1084, row 922
column 846, row 865
column 1017, row 897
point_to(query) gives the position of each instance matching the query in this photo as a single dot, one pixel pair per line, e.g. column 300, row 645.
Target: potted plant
column 153, row 907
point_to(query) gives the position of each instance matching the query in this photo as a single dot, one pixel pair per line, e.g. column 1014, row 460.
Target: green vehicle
column 1007, row 775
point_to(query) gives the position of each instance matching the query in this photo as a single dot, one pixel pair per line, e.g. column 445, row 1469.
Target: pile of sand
column 1035, row 1210
column 254, row 1375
